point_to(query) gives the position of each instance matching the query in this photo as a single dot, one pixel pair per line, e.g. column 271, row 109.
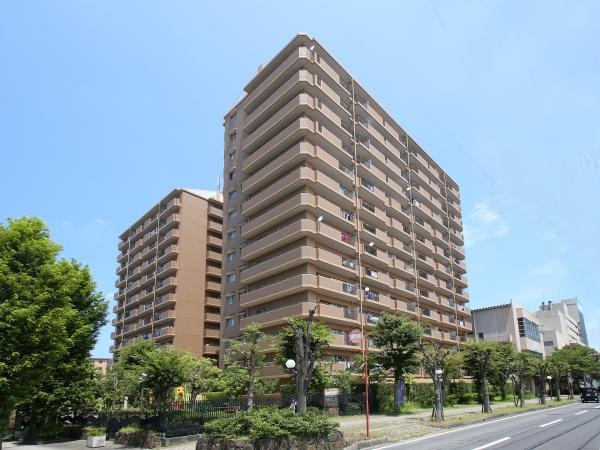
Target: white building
column 561, row 324
column 509, row 323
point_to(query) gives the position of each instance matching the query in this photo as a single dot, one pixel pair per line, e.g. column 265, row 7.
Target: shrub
column 385, row 398
column 271, row 422
column 94, row 431
column 131, row 429
column 422, row 394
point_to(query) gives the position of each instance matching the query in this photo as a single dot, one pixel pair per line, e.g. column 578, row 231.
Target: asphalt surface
column 570, row 427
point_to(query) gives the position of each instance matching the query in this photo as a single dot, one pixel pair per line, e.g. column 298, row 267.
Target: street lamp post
column 549, row 378
column 439, row 404
column 290, row 364
column 143, row 377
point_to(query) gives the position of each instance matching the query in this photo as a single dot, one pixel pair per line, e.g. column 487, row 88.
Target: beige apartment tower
column 169, row 275
column 328, row 204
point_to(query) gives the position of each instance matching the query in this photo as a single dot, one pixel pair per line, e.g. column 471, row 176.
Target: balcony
column 213, row 286
column 213, row 271
column 165, row 285
column 370, row 233
column 215, row 226
column 286, row 137
column 215, row 212
column 211, row 334
column 296, row 83
column 164, row 301
column 214, row 240
column 277, row 316
column 212, row 317
column 169, row 237
column 213, row 256
column 258, row 93
column 213, row 301
column 170, row 206
column 162, row 318
column 210, row 350
column 278, row 290
column 164, row 333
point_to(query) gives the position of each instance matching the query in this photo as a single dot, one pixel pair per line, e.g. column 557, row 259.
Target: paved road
column 570, row 427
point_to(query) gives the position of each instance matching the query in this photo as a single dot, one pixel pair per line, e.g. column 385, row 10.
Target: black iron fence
column 187, row 418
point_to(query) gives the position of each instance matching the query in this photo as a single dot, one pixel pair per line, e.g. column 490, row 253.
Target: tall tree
column 522, row 367
column 247, row 355
column 204, row 376
column 540, row 368
column 41, row 296
column 575, row 361
column 437, row 361
column 397, row 338
column 502, row 361
column 303, row 341
column 478, row 363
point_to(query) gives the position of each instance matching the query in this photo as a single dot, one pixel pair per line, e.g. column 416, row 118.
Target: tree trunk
column 543, row 389
column 503, row 390
column 250, row 404
column 570, row 391
column 301, row 393
column 396, row 394
column 521, row 392
column 5, row 411
column 439, row 405
column 557, row 385
column 486, row 395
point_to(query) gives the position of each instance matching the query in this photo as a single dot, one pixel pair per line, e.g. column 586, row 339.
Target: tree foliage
column 397, row 338
column 303, row 341
column 478, row 357
column 50, row 314
column 204, row 376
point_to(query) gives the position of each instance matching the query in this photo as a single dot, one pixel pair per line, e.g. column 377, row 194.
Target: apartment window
column 231, row 235
column 368, row 206
column 347, row 238
column 347, row 215
column 367, row 184
column 370, row 228
column 528, row 329
column 232, row 155
column 548, row 343
column 232, row 119
column 230, row 322
column 231, row 215
column 349, row 288
column 372, row 295
column 371, row 272
column 232, row 175
column 424, row 293
column 347, row 262
column 232, row 137
column 423, row 274
column 337, row 331
column 425, row 312
column 232, row 195
column 230, row 277
column 347, row 192
column 242, row 315
column 230, row 299
column 347, row 169
column 261, row 310
column 231, row 256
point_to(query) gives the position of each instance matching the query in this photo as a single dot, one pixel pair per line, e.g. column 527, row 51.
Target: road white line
column 581, row 412
column 597, row 407
column 550, row 423
column 491, row 444
column 477, row 425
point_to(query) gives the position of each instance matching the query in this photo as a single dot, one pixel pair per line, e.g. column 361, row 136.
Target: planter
column 335, row 441
column 96, row 441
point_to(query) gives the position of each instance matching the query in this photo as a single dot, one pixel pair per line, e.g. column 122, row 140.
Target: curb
column 367, row 443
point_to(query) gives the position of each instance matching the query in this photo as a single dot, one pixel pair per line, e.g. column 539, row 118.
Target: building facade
column 330, row 205
column 509, row 324
column 560, row 325
column 169, row 275
column 101, row 365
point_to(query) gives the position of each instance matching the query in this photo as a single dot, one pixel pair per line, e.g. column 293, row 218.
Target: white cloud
column 484, row 222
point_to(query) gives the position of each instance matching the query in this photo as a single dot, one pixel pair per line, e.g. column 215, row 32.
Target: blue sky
column 105, row 106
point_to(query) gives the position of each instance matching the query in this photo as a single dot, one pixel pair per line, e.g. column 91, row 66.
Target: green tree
column 540, row 368
column 247, row 355
column 303, row 341
column 50, row 313
column 434, row 359
column 574, row 361
column 501, row 367
column 204, row 376
column 478, row 363
column 142, row 365
column 522, row 367
column 397, row 338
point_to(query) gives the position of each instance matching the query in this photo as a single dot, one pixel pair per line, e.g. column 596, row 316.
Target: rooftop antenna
column 219, row 193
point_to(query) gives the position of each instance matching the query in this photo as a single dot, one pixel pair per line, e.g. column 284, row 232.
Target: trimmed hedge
column 271, row 422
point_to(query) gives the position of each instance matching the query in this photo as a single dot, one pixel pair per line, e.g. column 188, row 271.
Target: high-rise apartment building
column 330, row 204
column 169, row 275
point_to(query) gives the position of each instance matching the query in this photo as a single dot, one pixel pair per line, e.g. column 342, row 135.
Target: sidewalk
column 80, row 445
column 398, row 428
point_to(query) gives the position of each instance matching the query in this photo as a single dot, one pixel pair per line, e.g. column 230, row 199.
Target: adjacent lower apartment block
column 169, row 275
column 329, row 202
column 509, row 324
